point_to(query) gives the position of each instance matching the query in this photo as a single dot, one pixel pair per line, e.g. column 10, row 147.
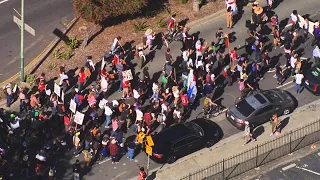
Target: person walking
column 229, row 17
column 298, row 80
column 114, row 150
column 76, row 170
column 316, row 55
column 108, row 112
column 248, row 133
column 9, row 93
column 274, row 122
column 316, row 33
column 142, row 174
column 87, row 157
column 131, row 148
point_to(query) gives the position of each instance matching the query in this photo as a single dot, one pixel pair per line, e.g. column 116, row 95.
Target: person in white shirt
column 139, row 115
column 294, row 18
column 116, row 44
column 298, row 80
column 108, row 112
column 293, row 61
column 104, row 84
column 177, row 115
column 136, row 95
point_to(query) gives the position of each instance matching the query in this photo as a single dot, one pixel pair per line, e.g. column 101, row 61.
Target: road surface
column 43, row 16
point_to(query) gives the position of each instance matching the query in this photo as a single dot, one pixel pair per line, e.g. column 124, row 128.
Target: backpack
column 184, row 100
column 206, row 102
column 164, row 80
column 36, row 113
column 147, row 118
column 241, row 86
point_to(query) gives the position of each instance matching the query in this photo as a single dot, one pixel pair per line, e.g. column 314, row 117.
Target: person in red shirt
column 81, row 79
column 125, row 86
column 115, row 60
column 42, row 92
column 233, row 59
column 142, row 174
column 172, row 23
column 184, row 103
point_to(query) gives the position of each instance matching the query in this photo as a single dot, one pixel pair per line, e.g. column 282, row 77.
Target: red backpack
column 147, row 118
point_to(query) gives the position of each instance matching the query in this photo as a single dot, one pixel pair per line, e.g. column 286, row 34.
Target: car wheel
column 210, row 144
column 286, row 111
column 172, row 159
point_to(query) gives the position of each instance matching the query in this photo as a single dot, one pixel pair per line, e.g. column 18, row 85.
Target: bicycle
column 213, row 112
column 176, row 35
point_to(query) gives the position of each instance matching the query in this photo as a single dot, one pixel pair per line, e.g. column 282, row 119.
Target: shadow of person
column 283, row 123
column 258, row 131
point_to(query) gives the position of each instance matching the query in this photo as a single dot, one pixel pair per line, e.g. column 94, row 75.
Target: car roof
column 173, row 133
column 257, row 100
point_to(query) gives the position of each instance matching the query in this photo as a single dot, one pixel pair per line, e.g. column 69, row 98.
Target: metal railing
column 260, row 154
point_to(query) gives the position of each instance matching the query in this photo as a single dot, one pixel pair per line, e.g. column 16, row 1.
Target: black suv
column 182, row 139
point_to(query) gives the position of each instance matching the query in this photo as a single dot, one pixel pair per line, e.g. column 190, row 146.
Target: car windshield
column 245, row 108
column 195, row 128
column 316, row 72
column 271, row 96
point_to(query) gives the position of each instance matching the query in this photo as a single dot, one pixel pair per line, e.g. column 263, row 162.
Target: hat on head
column 246, row 122
column 148, row 31
column 258, row 10
column 76, row 90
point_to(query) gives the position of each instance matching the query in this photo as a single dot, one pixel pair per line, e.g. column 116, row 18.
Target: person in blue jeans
column 131, row 149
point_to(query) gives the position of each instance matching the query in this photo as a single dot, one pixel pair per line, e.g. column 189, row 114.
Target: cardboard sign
column 78, row 118
column 127, row 75
column 150, row 141
column 149, row 150
column 62, row 96
column 57, row 89
column 73, row 106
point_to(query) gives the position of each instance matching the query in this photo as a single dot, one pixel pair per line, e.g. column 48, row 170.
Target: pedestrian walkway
column 233, row 145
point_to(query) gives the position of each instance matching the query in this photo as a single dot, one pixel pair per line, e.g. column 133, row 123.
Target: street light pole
column 22, row 43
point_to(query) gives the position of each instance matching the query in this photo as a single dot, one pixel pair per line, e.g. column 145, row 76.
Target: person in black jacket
column 76, row 170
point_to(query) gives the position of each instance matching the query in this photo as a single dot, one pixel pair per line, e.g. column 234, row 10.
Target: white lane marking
column 101, row 162
column 289, row 166
column 308, row 170
column 288, row 87
column 285, row 84
column 117, row 176
column 3, row 1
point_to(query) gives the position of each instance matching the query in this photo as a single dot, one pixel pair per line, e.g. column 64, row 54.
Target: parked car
column 312, row 80
column 182, row 139
column 258, row 108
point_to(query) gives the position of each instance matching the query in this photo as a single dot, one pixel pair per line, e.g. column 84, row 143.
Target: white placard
column 62, row 96
column 57, row 89
column 73, row 106
column 78, row 118
column 127, row 75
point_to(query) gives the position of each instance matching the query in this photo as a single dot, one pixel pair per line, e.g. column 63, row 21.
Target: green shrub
column 52, row 66
column 73, row 43
column 140, row 26
column 98, row 10
column 162, row 23
column 31, row 79
column 183, row 1
column 63, row 53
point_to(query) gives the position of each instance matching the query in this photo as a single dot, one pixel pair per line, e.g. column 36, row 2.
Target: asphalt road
column 43, row 16
column 306, row 168
column 129, row 169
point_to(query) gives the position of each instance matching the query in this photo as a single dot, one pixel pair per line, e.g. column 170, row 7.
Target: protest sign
column 73, row 106
column 78, row 118
column 127, row 75
column 57, row 89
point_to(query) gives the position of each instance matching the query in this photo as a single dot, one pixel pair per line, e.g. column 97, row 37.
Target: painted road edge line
column 32, row 63
column 3, row 1
column 285, row 84
column 289, row 166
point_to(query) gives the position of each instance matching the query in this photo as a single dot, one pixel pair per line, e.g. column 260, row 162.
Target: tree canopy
column 97, row 11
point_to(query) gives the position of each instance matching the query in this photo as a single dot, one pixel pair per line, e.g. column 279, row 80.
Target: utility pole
column 22, row 27
column 22, row 43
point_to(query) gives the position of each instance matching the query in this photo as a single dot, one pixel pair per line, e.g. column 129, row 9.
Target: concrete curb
column 41, row 57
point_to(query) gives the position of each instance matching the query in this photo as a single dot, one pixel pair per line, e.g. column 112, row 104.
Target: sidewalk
column 206, row 157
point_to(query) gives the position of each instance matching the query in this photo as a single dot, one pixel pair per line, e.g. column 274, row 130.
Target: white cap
column 246, row 122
